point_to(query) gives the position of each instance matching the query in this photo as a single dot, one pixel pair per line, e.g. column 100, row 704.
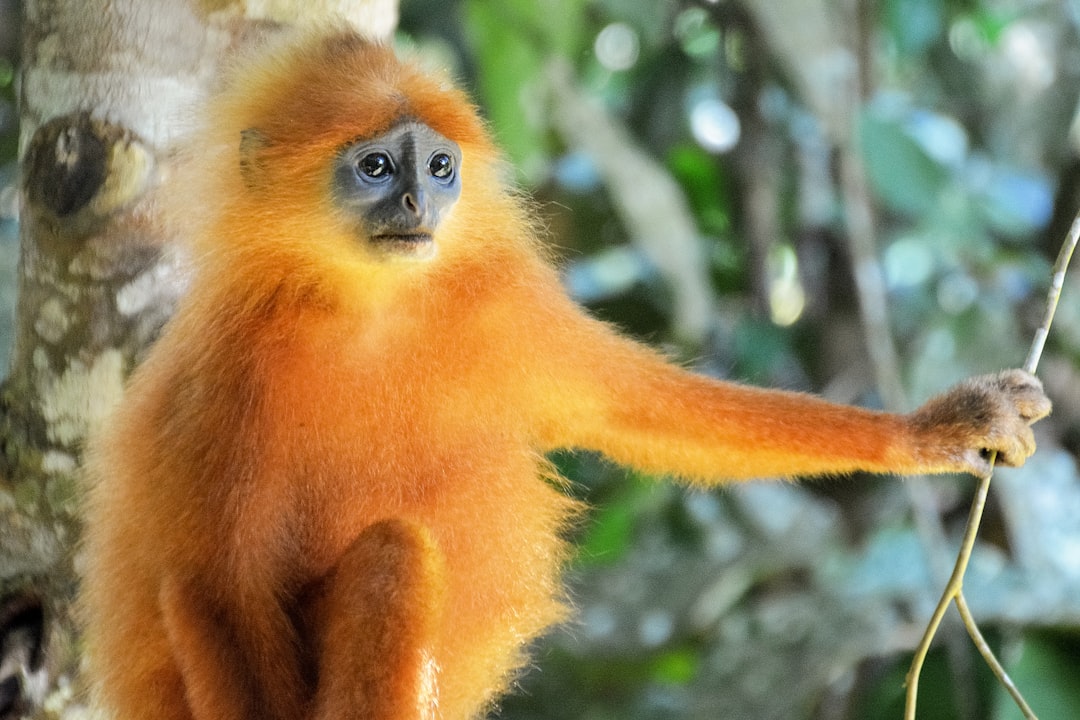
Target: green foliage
column 1048, row 667
column 885, row 698
column 914, row 25
column 772, row 601
column 614, row 522
column 504, row 59
column 905, row 177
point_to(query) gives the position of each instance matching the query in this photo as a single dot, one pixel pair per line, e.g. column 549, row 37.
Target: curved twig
column 991, row 659
column 1057, row 281
column 954, row 588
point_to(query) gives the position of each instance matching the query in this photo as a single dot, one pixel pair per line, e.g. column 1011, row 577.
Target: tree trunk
column 107, row 88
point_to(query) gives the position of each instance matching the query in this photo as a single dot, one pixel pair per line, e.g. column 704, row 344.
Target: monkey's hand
column 959, row 429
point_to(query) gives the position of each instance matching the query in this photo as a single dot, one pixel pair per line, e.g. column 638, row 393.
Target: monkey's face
column 397, row 187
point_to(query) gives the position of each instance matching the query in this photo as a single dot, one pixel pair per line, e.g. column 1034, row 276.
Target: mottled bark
column 108, row 87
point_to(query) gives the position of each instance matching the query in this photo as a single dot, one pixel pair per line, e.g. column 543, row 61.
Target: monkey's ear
column 252, row 143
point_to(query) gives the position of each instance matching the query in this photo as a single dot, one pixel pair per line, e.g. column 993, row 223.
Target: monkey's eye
column 441, row 166
column 375, row 165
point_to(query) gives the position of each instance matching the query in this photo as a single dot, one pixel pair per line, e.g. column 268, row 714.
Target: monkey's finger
column 1026, row 393
column 1033, row 407
column 1014, row 448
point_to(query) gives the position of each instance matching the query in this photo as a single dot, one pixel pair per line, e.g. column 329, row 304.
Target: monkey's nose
column 414, row 202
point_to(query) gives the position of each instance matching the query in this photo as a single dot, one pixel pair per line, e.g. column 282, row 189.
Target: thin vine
column 954, row 590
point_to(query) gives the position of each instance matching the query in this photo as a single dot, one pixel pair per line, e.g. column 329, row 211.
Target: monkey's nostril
column 414, row 201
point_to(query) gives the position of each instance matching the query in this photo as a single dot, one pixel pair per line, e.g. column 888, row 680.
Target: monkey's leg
column 374, row 620
column 227, row 674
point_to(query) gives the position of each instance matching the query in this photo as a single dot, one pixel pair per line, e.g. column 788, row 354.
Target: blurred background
column 860, row 199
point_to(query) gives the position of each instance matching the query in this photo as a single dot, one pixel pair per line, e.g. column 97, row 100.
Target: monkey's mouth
column 416, row 244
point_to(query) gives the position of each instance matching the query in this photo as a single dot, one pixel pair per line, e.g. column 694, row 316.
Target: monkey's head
column 336, row 143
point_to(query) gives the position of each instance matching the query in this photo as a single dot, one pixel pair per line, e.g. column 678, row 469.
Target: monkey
column 325, row 493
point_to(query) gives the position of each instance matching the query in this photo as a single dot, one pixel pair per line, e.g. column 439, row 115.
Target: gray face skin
column 397, row 187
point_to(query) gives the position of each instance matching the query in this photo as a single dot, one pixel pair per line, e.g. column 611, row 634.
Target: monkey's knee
column 377, row 620
column 393, row 571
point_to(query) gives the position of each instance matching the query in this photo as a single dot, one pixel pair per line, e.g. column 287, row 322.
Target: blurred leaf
column 982, row 336
column 913, row 24
column 553, row 26
column 649, row 18
column 705, row 185
column 1017, row 203
column 762, row 349
column 611, row 528
column 1042, row 503
column 677, row 667
column 1048, row 675
column 903, row 175
column 893, row 564
column 606, row 274
column 505, row 62
column 885, row 699
column 990, row 23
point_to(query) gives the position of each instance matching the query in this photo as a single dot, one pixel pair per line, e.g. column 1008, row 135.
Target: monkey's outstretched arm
column 618, row 397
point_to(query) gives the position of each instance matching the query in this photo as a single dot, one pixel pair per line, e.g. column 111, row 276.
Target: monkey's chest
column 418, row 453
column 412, row 428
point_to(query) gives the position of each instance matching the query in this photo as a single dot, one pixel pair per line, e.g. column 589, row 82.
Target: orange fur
column 325, row 495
